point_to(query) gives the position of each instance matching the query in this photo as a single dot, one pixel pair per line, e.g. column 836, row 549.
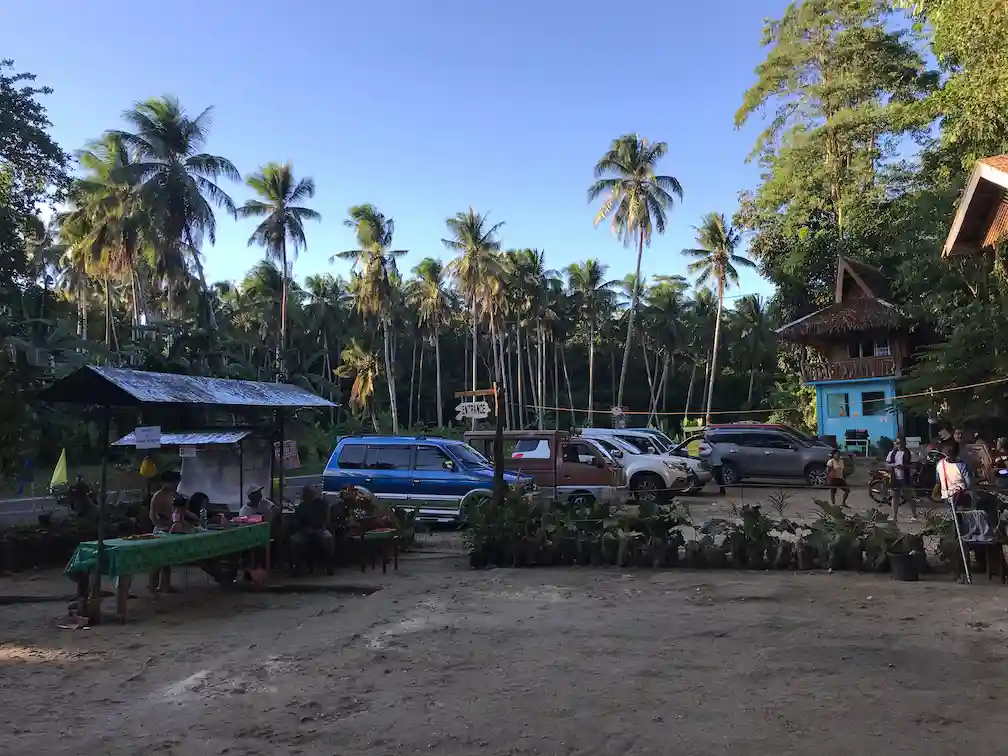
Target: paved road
column 25, row 511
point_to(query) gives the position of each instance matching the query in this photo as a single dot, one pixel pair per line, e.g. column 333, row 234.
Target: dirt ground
column 550, row 661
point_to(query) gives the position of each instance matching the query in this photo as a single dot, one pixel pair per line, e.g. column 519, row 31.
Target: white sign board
column 147, row 437
column 618, row 417
column 472, row 410
column 187, row 452
column 289, row 456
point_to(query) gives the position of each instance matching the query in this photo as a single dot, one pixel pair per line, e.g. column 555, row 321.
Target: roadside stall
column 169, row 397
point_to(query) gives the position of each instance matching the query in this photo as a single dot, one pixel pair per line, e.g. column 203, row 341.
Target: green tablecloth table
column 131, row 557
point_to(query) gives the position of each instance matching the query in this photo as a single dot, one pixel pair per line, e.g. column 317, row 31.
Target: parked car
column 563, row 466
column 652, row 477
column 654, row 442
column 744, row 451
column 438, row 477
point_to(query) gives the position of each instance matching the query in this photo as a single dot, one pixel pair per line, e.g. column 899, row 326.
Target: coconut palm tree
column 176, row 180
column 593, row 296
column 374, row 290
column 715, row 259
column 365, row 369
column 636, row 203
column 108, row 220
column 428, row 293
column 475, row 242
column 283, row 221
column 755, row 333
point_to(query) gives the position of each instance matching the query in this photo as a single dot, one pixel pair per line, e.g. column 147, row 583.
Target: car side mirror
column 448, row 465
column 617, row 453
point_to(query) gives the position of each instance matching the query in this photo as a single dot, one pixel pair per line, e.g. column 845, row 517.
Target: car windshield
column 663, row 440
column 614, row 444
column 469, row 456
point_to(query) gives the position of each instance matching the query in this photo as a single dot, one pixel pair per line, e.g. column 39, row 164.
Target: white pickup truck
column 648, row 442
column 652, row 477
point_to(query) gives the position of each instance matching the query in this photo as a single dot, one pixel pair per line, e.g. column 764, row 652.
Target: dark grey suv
column 739, row 453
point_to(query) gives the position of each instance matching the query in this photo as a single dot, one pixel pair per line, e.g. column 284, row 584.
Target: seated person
column 312, row 527
column 181, row 517
column 257, row 504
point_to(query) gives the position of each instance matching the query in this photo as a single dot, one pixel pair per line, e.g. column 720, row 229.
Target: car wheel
column 647, row 487
column 729, row 474
column 695, row 486
column 581, row 499
column 816, row 475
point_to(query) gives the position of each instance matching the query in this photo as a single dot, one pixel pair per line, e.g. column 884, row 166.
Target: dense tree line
column 865, row 151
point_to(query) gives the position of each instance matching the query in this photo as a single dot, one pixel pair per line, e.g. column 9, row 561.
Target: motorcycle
column 923, row 477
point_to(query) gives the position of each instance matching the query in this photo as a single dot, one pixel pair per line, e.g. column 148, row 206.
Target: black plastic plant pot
column 596, row 554
column 610, row 551
column 756, row 556
column 905, row 566
column 659, row 555
column 783, row 553
column 715, row 558
column 805, row 557
column 477, row 559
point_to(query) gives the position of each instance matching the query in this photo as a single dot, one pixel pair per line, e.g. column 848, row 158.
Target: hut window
column 882, row 348
column 873, row 403
column 836, row 405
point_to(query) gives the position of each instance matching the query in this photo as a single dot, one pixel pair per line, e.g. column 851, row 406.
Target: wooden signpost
column 499, row 487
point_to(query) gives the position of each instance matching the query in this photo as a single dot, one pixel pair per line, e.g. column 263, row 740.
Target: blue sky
column 423, row 107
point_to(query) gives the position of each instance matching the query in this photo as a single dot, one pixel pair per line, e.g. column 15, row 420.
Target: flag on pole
column 59, row 476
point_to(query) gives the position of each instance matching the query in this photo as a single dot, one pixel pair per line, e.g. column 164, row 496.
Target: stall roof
column 193, row 438
column 118, row 387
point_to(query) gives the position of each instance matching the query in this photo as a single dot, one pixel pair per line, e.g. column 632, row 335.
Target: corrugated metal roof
column 120, row 387
column 195, row 438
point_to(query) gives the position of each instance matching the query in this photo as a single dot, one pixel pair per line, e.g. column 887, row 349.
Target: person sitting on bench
column 312, row 529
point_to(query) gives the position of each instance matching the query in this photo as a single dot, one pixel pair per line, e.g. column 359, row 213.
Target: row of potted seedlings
column 525, row 533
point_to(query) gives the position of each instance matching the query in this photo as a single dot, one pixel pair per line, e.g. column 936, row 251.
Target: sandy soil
column 538, row 661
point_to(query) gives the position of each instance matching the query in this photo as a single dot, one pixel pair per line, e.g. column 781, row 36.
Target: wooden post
column 280, row 485
column 94, row 603
column 499, row 486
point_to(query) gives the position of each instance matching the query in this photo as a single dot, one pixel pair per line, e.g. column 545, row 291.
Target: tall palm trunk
column 412, row 377
column 556, row 388
column 714, row 349
column 541, row 357
column 437, row 359
column 419, row 382
column 534, row 383
column 475, row 335
column 650, row 378
column 630, row 317
column 508, row 378
column 689, row 391
column 752, row 376
column 591, row 370
column 570, row 394
column 211, row 315
column 108, row 315
column 520, row 378
column 283, row 309
column 390, row 375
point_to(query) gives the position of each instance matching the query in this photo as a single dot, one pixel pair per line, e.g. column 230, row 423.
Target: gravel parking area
column 538, row 661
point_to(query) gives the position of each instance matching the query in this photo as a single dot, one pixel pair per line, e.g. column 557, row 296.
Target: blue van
column 437, row 476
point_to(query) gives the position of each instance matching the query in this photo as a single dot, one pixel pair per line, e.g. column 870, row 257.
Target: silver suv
column 738, row 453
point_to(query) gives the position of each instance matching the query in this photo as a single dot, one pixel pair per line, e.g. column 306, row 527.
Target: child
column 835, row 476
column 180, row 516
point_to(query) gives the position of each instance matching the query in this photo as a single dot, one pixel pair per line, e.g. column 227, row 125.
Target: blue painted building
column 858, row 347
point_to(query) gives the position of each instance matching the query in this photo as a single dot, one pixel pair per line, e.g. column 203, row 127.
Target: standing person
column 835, row 476
column 162, row 505
column 898, row 462
column 953, row 476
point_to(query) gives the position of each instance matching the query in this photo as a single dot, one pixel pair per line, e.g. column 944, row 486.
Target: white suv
column 652, row 477
column 651, row 441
